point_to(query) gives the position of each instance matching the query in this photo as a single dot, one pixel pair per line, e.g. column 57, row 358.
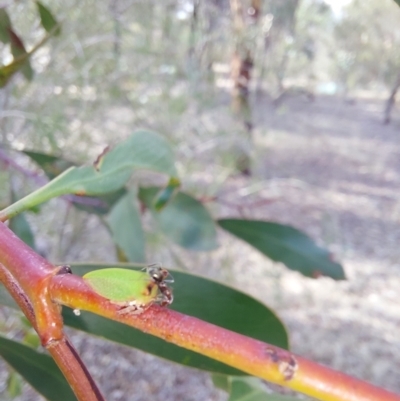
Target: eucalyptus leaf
column 184, row 220
column 21, row 57
column 6, row 299
column 166, row 194
column 52, row 165
column 47, row 19
column 18, row 50
column 101, row 204
column 14, row 385
column 5, row 26
column 142, row 150
column 285, row 244
column 20, row 226
column 126, row 228
column 252, row 389
column 38, row 369
column 221, row 381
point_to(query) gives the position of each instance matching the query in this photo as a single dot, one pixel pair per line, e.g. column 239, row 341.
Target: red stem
column 252, row 356
column 26, row 276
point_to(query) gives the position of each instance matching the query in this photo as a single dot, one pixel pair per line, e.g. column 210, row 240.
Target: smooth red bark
column 26, row 276
column 249, row 355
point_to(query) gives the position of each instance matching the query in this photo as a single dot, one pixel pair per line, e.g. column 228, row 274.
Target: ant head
column 159, row 274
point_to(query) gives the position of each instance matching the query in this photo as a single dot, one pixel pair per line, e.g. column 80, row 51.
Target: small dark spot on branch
column 65, row 269
column 287, row 364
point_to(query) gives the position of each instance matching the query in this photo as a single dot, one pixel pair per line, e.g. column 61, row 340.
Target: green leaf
column 195, row 296
column 50, row 164
column 252, row 389
column 143, row 150
column 5, row 26
column 99, row 204
column 221, row 381
column 6, row 299
column 184, row 220
column 21, row 57
column 7, row 71
column 54, row 165
column 126, row 228
column 20, row 226
column 18, row 50
column 285, row 244
column 47, row 19
column 166, row 194
column 32, row 339
column 38, row 369
column 14, row 385
column 397, row 2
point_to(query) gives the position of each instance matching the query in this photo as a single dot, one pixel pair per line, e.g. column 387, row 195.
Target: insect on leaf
column 123, row 285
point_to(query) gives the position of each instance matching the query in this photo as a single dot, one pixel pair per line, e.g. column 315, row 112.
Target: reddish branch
column 33, row 275
column 26, row 275
column 252, row 356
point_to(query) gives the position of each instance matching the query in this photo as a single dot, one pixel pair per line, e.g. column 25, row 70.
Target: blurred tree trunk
column 391, row 101
column 242, row 64
column 169, row 10
column 241, row 68
column 115, row 16
column 279, row 30
column 212, row 14
column 193, row 29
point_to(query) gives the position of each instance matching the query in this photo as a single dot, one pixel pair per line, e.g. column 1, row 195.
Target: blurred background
column 278, row 109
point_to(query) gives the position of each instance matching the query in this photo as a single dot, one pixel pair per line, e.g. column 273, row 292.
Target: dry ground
column 336, row 171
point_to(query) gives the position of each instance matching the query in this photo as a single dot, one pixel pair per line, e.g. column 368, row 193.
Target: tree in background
column 367, row 54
